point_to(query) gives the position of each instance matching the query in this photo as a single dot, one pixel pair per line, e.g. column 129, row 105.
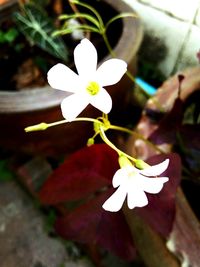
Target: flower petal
column 122, row 176
column 153, row 185
column 63, row 78
column 119, row 177
column 73, row 105
column 111, row 71
column 85, row 58
column 136, row 197
column 156, row 169
column 102, row 101
column 115, row 202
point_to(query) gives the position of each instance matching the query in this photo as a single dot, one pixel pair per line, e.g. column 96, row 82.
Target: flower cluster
column 87, row 87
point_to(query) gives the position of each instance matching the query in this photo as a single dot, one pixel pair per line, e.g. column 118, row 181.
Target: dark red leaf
column 115, row 235
column 189, row 143
column 169, row 124
column 184, row 240
column 89, row 223
column 83, row 173
column 160, row 211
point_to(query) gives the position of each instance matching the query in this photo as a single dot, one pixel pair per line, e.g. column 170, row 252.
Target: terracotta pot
column 6, row 8
column 21, row 109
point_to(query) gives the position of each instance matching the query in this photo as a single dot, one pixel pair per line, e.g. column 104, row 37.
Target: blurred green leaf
column 50, row 220
column 8, row 36
column 5, row 173
column 11, row 35
column 35, row 24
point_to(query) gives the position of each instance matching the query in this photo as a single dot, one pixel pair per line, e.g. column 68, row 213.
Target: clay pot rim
column 36, row 99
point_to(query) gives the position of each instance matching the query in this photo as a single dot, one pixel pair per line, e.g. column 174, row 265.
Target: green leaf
column 120, row 16
column 50, row 220
column 8, row 36
column 94, row 11
column 71, row 29
column 34, row 23
column 11, row 35
column 80, row 15
column 5, row 173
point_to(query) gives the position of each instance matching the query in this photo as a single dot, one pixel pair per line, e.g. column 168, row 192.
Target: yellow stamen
column 93, row 88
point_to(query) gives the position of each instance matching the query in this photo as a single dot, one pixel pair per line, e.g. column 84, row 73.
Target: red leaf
column 114, row 235
column 89, row 223
column 83, row 173
column 190, row 147
column 160, row 211
column 169, row 125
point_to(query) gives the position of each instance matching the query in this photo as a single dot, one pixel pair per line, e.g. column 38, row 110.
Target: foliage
column 9, row 36
column 5, row 173
column 79, row 186
column 93, row 20
column 85, row 179
column 35, row 24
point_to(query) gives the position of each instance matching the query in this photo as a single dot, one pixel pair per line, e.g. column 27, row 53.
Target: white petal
column 115, row 202
column 156, row 169
column 85, row 58
column 136, row 198
column 111, row 71
column 119, row 177
column 102, row 101
column 73, row 105
column 63, row 78
column 122, row 176
column 153, row 185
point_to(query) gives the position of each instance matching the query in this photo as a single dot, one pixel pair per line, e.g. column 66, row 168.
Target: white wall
column 177, row 24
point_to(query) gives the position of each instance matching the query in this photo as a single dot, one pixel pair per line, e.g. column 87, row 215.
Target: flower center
column 93, row 88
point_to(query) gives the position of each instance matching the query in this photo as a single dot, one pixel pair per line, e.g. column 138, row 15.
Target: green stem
column 110, row 144
column 89, row 7
column 140, row 136
column 107, row 43
column 103, row 125
column 43, row 126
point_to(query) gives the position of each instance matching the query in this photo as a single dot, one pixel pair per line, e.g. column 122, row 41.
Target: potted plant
column 19, row 109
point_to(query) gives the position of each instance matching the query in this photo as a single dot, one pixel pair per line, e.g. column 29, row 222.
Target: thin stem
column 110, row 144
column 82, row 27
column 122, row 129
column 101, row 24
column 107, row 43
column 82, row 15
column 140, row 136
column 103, row 125
column 76, row 11
column 77, row 119
column 44, row 126
column 105, row 117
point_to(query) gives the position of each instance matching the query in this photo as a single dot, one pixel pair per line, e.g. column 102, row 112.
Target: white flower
column 133, row 183
column 87, row 86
